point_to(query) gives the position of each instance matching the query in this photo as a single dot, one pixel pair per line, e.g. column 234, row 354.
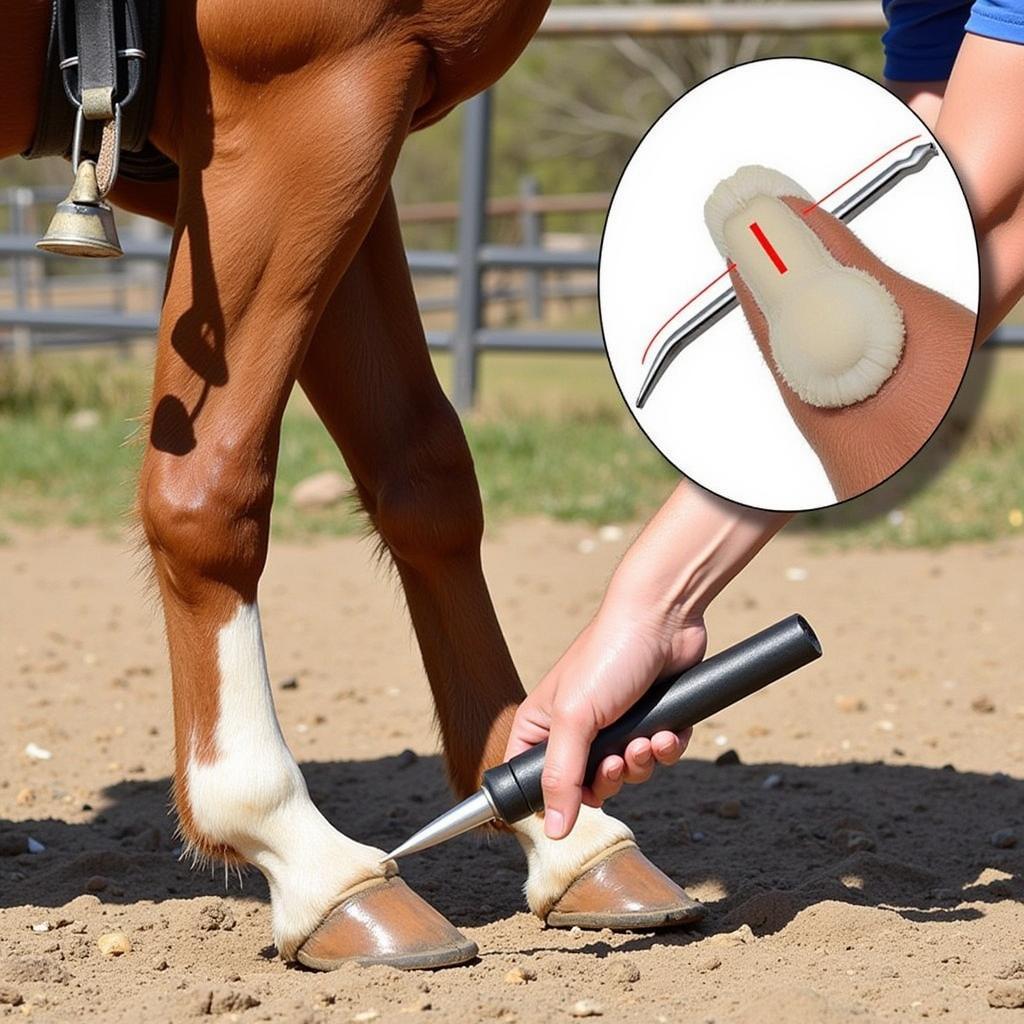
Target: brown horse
column 285, row 120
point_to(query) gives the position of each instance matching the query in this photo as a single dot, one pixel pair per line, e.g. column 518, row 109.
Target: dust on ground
column 864, row 860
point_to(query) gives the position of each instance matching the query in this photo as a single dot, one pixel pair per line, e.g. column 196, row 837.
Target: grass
column 551, row 437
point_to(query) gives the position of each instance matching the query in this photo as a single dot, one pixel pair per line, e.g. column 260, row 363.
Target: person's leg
column 921, row 44
column 979, row 127
column 923, row 98
column 368, row 374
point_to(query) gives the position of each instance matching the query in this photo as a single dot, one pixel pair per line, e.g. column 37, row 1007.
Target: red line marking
column 768, row 248
column 710, row 284
column 866, row 167
column 803, row 212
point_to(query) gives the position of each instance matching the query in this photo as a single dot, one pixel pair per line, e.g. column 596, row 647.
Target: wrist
column 663, row 597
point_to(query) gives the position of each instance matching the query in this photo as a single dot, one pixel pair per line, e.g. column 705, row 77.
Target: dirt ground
column 875, row 870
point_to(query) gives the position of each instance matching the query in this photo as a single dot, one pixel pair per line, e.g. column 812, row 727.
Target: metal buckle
column 76, row 142
column 130, row 53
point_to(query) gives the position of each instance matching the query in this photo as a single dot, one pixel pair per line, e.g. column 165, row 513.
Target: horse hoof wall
column 624, row 892
column 385, row 923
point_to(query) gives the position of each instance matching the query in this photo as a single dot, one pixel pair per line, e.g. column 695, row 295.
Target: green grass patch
column 551, row 437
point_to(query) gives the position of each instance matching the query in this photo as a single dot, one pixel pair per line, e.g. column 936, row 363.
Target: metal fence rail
column 473, row 257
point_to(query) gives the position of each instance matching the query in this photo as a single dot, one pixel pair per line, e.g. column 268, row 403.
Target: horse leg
column 369, row 376
column 246, row 286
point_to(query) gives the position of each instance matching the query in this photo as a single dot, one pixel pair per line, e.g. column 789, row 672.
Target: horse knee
column 206, row 516
column 427, row 509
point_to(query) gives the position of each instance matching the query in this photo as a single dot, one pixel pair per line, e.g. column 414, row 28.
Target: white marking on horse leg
column 253, row 797
column 554, row 864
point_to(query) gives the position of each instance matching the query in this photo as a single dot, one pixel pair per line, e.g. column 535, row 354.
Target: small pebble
column 82, row 420
column 773, row 781
column 407, row 758
column 849, row 704
column 576, row 930
column 215, row 917
column 740, row 937
column 25, row 797
column 322, row 490
column 587, row 546
column 1006, row 995
column 520, row 976
column 729, row 809
column 859, row 841
column 36, row 752
column 114, row 944
column 586, row 1008
column 288, row 684
column 97, row 883
column 625, row 972
column 728, row 757
column 709, row 963
column 796, row 574
column 41, row 926
column 10, row 996
column 365, row 1015
column 158, row 964
column 610, row 534
column 1004, row 839
column 983, row 705
column 34, row 846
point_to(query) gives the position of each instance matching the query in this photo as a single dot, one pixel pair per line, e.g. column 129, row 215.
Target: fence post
column 473, row 175
column 21, row 337
column 530, row 228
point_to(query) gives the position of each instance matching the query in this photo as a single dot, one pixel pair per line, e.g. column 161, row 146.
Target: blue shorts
column 924, row 36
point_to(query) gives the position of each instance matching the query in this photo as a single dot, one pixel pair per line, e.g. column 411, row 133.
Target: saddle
column 102, row 63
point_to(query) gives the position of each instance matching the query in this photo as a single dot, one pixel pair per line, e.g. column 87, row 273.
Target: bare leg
column 244, row 296
column 979, row 127
column 369, row 376
column 924, row 98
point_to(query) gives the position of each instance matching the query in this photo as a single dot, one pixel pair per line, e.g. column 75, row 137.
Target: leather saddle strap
column 97, row 58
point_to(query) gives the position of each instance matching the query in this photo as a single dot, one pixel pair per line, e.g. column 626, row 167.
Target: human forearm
column 688, row 552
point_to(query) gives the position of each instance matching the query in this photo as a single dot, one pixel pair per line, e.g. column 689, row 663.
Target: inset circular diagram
column 789, row 284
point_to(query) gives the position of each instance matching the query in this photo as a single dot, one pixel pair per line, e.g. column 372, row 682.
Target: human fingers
column 565, row 764
column 640, row 763
column 608, row 779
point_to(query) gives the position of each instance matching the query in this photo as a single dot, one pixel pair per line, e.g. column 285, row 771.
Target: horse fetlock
column 245, row 793
column 554, row 864
column 272, row 824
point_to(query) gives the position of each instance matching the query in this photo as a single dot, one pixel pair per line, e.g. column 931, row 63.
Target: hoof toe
column 624, row 892
column 385, row 923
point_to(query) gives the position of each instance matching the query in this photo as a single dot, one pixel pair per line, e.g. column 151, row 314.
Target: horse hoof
column 624, row 892
column 385, row 922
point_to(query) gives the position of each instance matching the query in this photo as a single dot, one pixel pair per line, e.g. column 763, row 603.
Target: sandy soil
column 863, row 878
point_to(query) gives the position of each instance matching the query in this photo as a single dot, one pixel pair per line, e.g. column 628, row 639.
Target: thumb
column 565, row 764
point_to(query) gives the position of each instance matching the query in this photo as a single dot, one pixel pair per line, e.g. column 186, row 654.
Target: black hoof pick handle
column 512, row 791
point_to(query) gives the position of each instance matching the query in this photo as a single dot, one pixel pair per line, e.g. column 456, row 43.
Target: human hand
column 609, row 666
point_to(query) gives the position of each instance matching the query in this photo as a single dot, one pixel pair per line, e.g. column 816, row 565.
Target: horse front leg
column 246, row 288
column 369, row 375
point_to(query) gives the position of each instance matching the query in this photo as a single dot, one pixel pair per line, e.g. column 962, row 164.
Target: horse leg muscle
column 369, row 376
column 246, row 287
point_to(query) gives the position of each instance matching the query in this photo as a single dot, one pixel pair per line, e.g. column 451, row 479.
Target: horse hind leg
column 240, row 308
column 370, row 378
